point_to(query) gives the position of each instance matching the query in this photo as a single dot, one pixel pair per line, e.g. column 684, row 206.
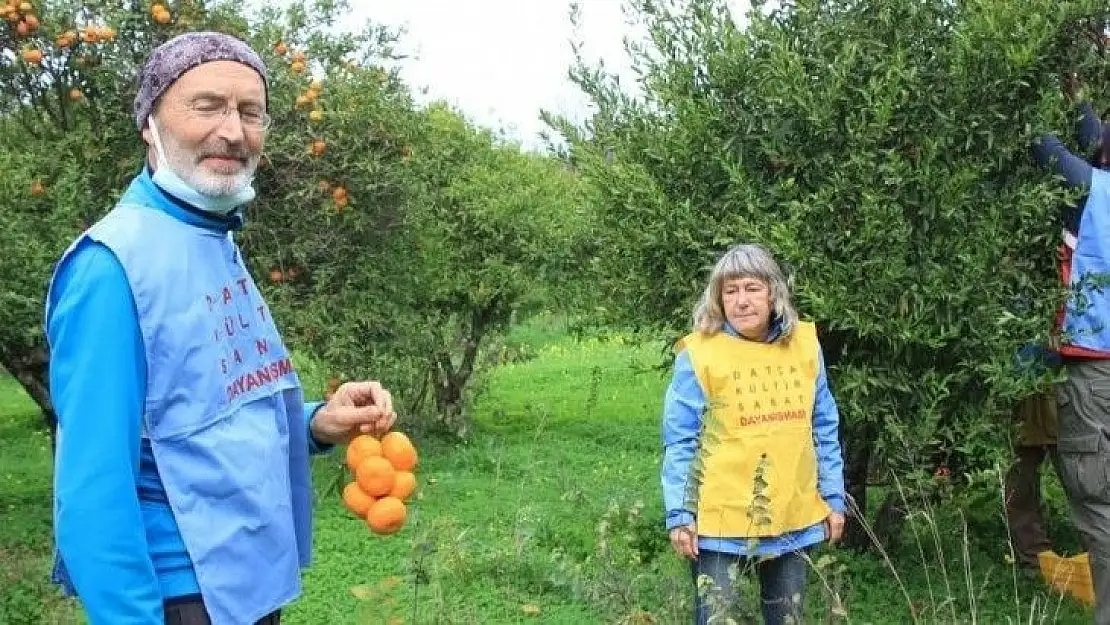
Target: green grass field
column 550, row 514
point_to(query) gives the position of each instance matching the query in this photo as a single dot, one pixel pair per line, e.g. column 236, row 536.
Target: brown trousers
column 1037, row 415
column 190, row 610
column 1024, row 508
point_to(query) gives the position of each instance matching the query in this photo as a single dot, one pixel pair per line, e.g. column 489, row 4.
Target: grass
column 551, row 514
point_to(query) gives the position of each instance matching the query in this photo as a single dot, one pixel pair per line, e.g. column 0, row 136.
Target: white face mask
column 171, row 183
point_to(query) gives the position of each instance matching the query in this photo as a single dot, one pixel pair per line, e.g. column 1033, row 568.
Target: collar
column 186, row 212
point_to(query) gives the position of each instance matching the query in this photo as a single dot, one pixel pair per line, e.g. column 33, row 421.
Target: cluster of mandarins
column 21, row 15
column 383, row 480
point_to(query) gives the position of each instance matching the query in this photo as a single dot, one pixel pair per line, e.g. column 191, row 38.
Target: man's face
column 216, row 154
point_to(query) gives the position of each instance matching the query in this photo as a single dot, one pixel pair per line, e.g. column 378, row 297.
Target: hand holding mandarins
column 355, row 408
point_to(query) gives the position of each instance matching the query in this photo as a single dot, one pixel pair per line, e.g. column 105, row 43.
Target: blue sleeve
column 1088, row 131
column 98, row 387
column 826, row 438
column 314, row 446
column 1053, row 155
column 682, row 408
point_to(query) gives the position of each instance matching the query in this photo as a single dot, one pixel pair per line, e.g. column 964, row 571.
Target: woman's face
column 747, row 305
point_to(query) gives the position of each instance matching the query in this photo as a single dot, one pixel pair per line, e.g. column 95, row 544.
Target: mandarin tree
column 881, row 149
column 68, row 144
column 391, row 240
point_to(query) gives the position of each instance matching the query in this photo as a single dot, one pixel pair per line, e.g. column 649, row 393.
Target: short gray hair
column 745, row 261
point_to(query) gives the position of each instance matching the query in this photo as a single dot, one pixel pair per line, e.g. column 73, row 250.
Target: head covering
column 182, row 53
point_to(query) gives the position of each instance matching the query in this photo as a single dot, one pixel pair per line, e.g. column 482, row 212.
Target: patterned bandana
column 182, row 53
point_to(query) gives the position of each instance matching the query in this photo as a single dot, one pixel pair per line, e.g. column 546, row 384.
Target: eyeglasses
column 215, row 111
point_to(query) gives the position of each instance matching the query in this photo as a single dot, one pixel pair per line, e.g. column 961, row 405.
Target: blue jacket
column 683, row 405
column 121, row 544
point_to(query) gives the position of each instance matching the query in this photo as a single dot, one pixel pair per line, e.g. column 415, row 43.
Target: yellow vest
column 755, row 472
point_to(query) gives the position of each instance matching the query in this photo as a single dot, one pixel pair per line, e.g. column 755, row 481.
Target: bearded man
column 182, row 485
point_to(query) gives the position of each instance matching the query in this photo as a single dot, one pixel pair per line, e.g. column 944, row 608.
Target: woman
column 752, row 468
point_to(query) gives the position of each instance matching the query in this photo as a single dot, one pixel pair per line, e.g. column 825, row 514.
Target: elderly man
column 183, row 492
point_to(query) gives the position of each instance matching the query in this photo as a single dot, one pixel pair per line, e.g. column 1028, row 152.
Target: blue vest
column 1087, row 318
column 223, row 412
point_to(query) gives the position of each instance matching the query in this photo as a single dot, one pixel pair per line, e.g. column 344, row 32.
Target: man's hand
column 834, row 526
column 355, row 408
column 684, row 539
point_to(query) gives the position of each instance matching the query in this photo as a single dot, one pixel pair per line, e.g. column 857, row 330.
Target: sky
column 502, row 61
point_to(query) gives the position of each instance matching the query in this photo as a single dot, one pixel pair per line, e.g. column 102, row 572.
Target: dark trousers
column 1024, row 508
column 782, row 585
column 1083, row 462
column 190, row 610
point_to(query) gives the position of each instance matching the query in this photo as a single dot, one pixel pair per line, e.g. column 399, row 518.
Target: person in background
column 1036, row 441
column 182, row 487
column 752, row 472
column 1082, row 334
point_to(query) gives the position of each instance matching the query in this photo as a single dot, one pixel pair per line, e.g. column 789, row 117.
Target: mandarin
column 376, row 476
column 356, row 500
column 360, row 448
column 386, row 515
column 399, row 450
column 403, row 485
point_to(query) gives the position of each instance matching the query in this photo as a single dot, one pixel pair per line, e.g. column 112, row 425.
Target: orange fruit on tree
column 22, row 29
column 32, row 23
column 297, row 67
column 356, row 500
column 399, row 450
column 299, row 57
column 276, row 276
column 37, row 188
column 318, row 147
column 386, row 515
column 404, row 485
column 89, row 34
column 317, row 85
column 316, row 115
column 280, row 48
column 360, row 448
column 75, row 94
column 339, row 193
column 302, row 100
column 375, row 475
column 32, row 56
column 341, row 203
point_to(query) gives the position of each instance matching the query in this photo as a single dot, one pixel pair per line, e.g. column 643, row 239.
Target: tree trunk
column 450, row 380
column 30, row 370
column 889, row 521
column 857, row 465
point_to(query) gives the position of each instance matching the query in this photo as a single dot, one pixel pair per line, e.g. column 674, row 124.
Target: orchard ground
column 551, row 514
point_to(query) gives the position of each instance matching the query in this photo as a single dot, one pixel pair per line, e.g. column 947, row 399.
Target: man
column 182, row 491
column 1083, row 329
column 1036, row 439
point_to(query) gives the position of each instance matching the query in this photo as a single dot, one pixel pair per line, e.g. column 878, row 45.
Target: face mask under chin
column 171, row 183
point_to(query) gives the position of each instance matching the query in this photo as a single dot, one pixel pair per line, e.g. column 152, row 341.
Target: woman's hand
column 684, row 539
column 834, row 527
